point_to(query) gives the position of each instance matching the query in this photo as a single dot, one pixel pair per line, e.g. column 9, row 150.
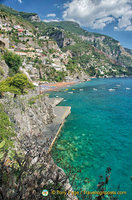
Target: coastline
column 110, row 114
column 43, row 87
column 52, row 130
column 65, row 110
column 55, row 86
column 61, row 112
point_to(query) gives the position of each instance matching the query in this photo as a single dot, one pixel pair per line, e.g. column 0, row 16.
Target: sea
column 97, row 135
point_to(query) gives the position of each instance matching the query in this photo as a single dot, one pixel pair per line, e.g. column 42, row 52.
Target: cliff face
column 30, row 115
column 61, row 39
column 57, row 50
column 104, row 43
column 3, row 69
column 58, row 37
column 50, row 45
column 34, row 18
column 112, row 48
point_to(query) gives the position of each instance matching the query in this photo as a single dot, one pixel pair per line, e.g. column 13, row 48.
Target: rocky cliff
column 34, row 18
column 3, row 69
column 104, row 43
column 30, row 114
column 61, row 39
column 57, row 50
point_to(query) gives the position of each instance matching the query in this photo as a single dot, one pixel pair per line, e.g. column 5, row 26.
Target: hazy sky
column 111, row 17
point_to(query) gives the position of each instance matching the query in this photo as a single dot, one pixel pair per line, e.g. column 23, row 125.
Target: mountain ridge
column 102, row 42
column 78, row 52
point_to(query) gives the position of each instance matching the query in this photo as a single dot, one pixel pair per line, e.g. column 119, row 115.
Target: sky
column 110, row 17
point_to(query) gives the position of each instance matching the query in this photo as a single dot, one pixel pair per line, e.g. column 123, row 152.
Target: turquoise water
column 98, row 133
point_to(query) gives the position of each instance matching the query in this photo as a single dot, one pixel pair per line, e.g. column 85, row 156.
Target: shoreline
column 43, row 87
column 63, row 111
column 49, row 87
column 66, row 113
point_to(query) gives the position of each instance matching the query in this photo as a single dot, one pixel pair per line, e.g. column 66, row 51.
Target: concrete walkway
column 52, row 130
column 55, row 101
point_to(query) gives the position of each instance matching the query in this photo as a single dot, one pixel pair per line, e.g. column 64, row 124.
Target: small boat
column 111, row 90
column 94, row 89
column 128, row 88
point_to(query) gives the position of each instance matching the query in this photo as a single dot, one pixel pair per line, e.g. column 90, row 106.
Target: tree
column 21, row 82
column 18, row 84
column 13, row 61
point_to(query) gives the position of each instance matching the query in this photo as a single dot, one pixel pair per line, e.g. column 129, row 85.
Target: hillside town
column 51, row 53
column 26, row 44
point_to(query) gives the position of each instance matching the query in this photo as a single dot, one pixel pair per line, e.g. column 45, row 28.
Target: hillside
column 58, row 51
column 34, row 55
column 73, row 27
column 27, row 16
column 104, row 43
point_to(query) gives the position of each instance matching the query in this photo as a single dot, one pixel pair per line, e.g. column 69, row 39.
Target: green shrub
column 13, row 61
column 59, row 76
column 33, row 100
column 1, row 71
column 6, row 129
column 18, row 84
column 51, row 51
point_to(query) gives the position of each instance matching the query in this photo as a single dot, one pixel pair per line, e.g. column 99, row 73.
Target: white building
column 58, row 67
column 44, row 37
column 17, row 27
column 39, row 50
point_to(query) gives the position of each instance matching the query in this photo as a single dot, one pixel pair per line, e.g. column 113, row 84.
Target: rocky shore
column 41, row 117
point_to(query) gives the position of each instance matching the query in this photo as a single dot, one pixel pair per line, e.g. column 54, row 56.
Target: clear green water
column 98, row 133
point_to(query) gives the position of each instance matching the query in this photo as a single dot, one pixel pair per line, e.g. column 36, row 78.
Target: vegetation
column 6, row 131
column 27, row 15
column 25, row 173
column 1, row 72
column 51, row 51
column 13, row 61
column 72, row 27
column 18, row 17
column 71, row 66
column 38, row 61
column 18, row 85
column 33, row 99
column 59, row 76
column 129, row 51
column 104, row 43
column 82, row 50
column 126, row 59
column 43, row 28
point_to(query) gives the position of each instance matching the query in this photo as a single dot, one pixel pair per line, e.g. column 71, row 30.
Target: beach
column 44, row 87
